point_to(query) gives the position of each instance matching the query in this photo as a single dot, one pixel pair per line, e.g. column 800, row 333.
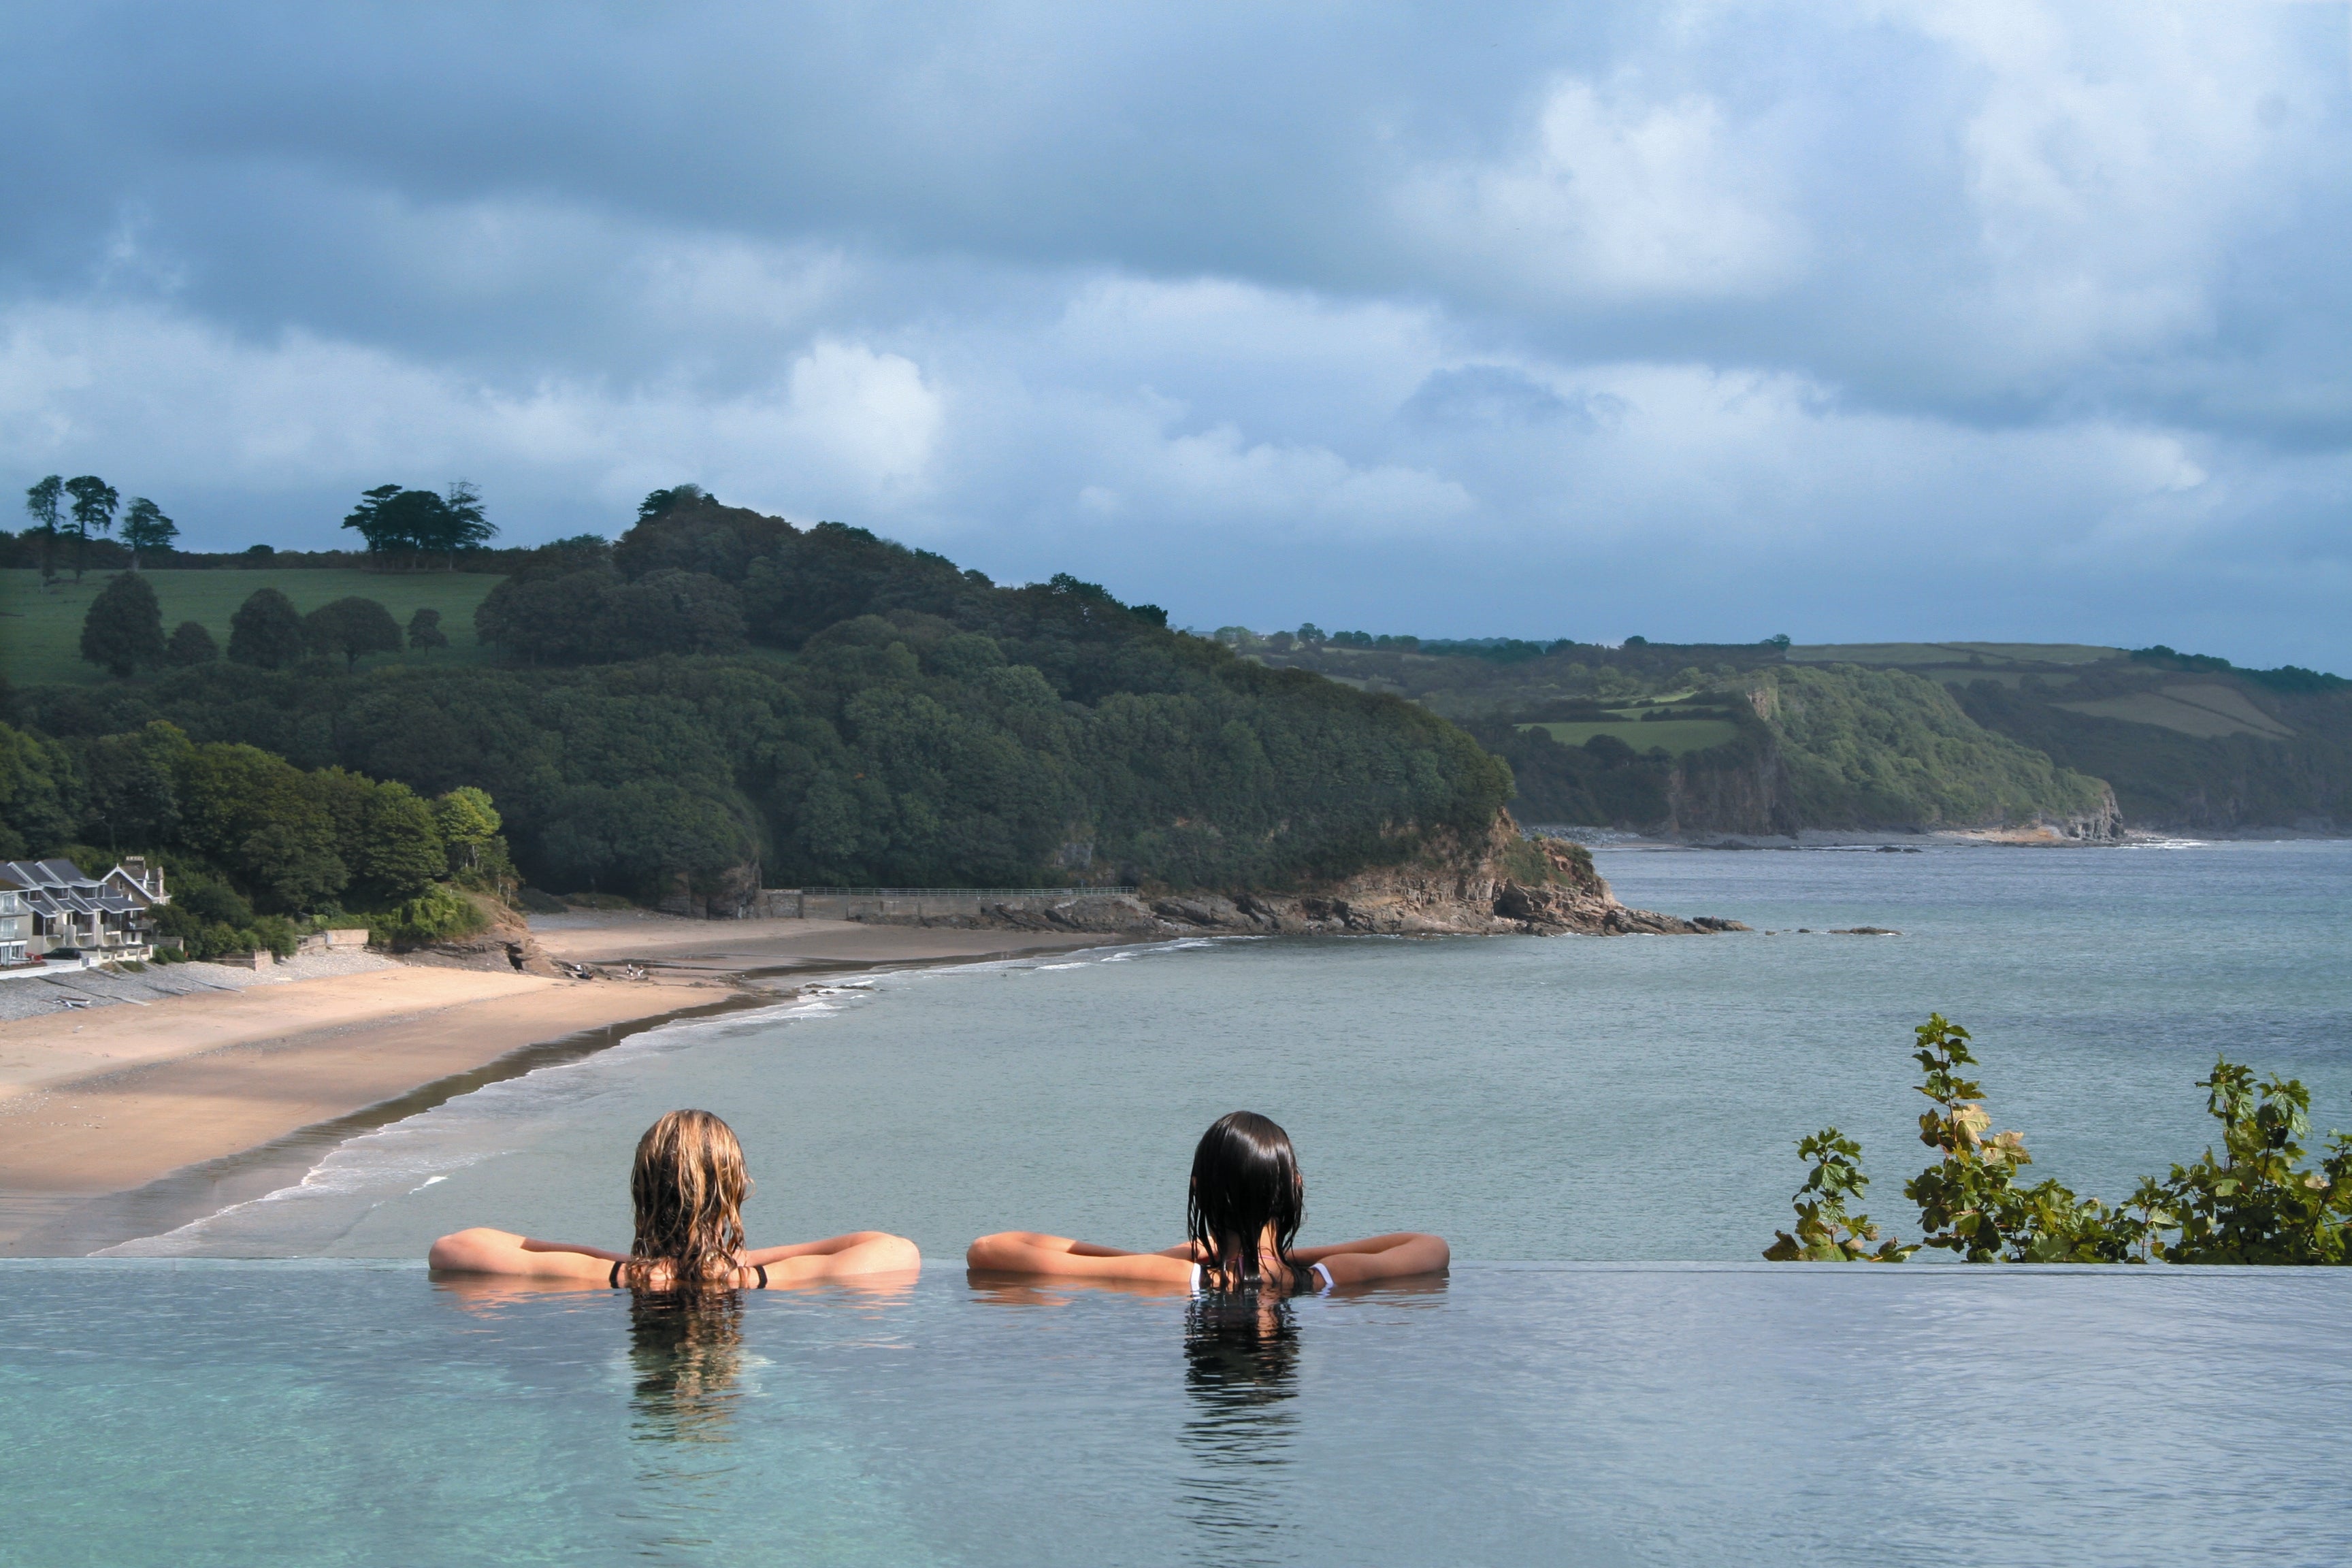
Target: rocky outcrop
column 505, row 943
column 1503, row 884
column 2103, row 824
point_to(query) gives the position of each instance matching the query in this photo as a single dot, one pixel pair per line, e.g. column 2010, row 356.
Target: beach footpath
column 104, row 1101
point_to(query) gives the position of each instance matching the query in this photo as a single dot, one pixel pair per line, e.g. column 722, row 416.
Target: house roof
column 58, row 886
column 46, row 874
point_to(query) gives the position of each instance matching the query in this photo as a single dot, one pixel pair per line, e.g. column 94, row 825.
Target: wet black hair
column 1245, row 1177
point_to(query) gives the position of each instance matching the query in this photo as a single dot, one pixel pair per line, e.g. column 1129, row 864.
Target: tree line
column 78, row 509
column 123, row 631
column 397, row 523
column 717, row 696
column 256, row 848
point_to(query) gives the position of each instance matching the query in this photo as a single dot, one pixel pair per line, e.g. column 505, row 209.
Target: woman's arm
column 1390, row 1256
column 837, row 1257
column 485, row 1251
column 1058, row 1256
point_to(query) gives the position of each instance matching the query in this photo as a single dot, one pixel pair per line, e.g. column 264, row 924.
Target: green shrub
column 437, row 914
column 2256, row 1202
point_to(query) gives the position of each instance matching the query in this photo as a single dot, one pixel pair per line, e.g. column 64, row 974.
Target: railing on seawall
column 911, row 903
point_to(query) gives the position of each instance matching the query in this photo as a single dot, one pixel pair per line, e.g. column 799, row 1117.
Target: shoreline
column 1946, row 839
column 124, row 1122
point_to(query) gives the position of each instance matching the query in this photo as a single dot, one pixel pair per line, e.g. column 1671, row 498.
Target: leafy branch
column 2256, row 1203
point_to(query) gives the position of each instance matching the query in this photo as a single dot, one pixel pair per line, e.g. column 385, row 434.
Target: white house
column 106, row 918
column 15, row 925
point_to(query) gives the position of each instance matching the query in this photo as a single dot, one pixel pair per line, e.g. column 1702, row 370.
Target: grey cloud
column 1486, row 396
column 2028, row 315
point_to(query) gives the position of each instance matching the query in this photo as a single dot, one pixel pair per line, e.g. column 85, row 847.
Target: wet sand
column 117, row 1118
column 793, row 949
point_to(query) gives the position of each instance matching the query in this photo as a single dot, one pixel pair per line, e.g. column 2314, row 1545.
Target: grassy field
column 1676, row 735
column 2204, row 709
column 1951, row 652
column 41, row 629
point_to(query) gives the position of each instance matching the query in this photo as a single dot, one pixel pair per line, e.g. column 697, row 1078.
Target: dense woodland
column 721, row 695
column 254, row 847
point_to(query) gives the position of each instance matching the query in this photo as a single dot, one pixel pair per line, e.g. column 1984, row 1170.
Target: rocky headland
column 1504, row 883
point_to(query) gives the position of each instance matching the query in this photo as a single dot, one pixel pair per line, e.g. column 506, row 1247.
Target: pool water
column 331, row 1412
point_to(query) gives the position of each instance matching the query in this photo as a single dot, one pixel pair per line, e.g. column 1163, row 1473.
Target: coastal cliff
column 1502, row 883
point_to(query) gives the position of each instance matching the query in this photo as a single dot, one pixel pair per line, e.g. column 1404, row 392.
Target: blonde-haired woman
column 688, row 1185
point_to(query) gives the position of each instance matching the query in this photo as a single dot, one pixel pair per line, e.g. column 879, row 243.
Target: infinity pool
column 315, row 1412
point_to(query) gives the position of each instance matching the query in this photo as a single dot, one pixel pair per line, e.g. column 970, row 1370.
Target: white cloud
column 869, row 412
column 150, row 392
column 1616, row 196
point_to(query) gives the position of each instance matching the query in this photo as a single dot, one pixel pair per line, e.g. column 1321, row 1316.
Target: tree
column 424, row 630
column 393, row 519
column 191, row 644
column 41, row 502
column 466, row 822
column 94, row 503
column 350, row 626
column 261, row 817
column 132, row 785
column 144, row 527
column 380, row 526
column 39, row 794
column 400, row 853
column 124, row 628
column 459, row 523
column 663, row 501
column 266, row 630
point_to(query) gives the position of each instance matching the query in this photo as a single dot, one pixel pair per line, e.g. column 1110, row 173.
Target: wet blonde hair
column 688, row 1185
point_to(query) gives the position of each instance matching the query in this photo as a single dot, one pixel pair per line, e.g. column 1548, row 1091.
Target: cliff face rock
column 2103, row 824
column 1745, row 794
column 1504, row 883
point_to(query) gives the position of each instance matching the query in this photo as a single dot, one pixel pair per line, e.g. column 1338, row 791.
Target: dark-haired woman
column 688, row 1185
column 1246, row 1201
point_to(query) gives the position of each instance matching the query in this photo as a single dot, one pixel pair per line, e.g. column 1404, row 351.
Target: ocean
column 1573, row 1098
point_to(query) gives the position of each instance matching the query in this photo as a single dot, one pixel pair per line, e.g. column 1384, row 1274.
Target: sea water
column 1583, row 1118
column 1606, row 1099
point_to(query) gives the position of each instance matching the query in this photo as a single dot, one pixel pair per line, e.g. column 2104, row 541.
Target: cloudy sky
column 1707, row 321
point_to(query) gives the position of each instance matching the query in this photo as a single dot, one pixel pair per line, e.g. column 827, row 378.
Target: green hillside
column 722, row 700
column 2190, row 742
column 1886, row 747
column 40, row 628
column 1732, row 738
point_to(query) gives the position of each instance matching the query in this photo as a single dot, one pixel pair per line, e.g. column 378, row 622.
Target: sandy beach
column 117, row 1116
